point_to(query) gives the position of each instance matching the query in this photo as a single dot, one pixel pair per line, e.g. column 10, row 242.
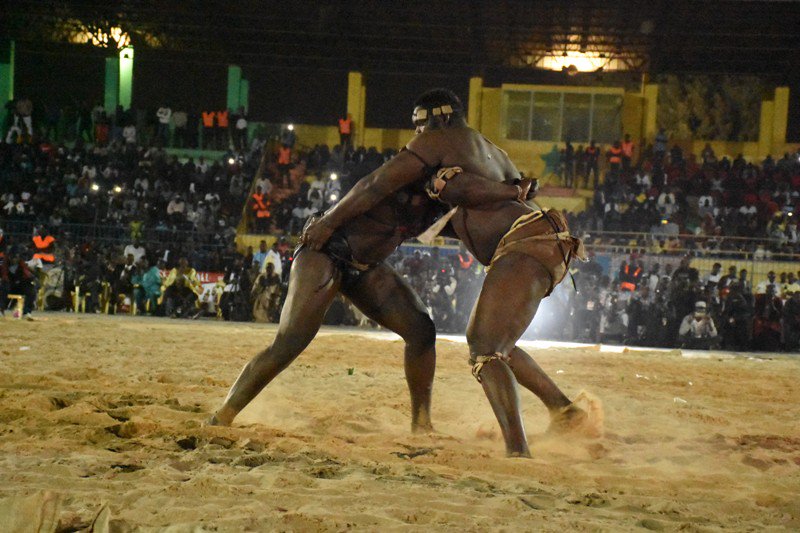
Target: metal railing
column 114, row 234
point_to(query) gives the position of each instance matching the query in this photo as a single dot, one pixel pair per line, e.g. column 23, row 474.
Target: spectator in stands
column 697, row 330
column 260, row 209
column 715, row 275
column 209, row 130
column 240, row 130
column 770, row 282
column 592, row 159
column 164, row 116
column 300, row 214
column 180, row 121
column 660, row 147
column 147, row 282
column 260, row 256
column 135, row 249
column 21, row 280
column 627, row 152
column 182, row 289
column 266, row 294
column 737, row 319
column 345, row 130
column 122, row 282
column 275, row 259
column 791, row 322
column 223, row 134
column 767, row 320
column 176, row 210
column 568, row 164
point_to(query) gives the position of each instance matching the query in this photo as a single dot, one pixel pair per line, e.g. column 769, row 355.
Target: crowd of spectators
column 668, row 304
column 162, row 126
column 295, row 184
column 667, row 194
column 133, row 228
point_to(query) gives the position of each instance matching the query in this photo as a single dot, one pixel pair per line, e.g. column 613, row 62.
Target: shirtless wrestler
column 528, row 251
column 351, row 262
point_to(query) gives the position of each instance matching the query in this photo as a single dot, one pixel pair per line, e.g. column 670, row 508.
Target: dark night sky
column 63, row 74
column 296, row 54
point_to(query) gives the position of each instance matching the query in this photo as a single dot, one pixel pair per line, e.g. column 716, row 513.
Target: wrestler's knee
column 478, row 342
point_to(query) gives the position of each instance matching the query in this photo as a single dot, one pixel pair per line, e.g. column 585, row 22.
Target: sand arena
column 101, row 421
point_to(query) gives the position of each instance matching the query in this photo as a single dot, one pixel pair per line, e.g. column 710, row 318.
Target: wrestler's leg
column 313, row 283
column 508, row 301
column 530, row 375
column 386, row 298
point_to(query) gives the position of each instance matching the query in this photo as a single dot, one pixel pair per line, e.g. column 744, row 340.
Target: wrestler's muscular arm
column 395, row 174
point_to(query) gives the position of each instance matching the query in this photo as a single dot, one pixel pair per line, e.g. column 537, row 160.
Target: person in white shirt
column 274, row 258
column 265, row 184
column 129, row 134
column 201, row 165
column 761, row 288
column 715, row 275
column 135, row 249
column 164, row 115
column 697, row 330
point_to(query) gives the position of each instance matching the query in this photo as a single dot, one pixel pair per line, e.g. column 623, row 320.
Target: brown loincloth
column 534, row 235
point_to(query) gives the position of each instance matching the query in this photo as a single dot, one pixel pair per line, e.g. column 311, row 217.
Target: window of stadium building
column 558, row 116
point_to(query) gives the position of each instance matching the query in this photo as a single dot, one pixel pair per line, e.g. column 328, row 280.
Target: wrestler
column 528, row 251
column 351, row 262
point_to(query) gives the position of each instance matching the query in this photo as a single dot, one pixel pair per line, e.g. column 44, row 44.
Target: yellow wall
column 639, row 119
column 650, row 103
column 309, row 135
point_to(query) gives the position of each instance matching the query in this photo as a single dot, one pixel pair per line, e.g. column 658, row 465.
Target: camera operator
column 637, row 310
column 614, row 321
column 737, row 316
column 235, row 300
column 697, row 329
column 442, row 291
column 587, row 310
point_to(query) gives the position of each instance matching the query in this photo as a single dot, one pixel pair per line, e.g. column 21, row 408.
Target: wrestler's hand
column 528, row 189
column 317, row 233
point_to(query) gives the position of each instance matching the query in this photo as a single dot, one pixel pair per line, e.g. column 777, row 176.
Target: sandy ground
column 103, row 416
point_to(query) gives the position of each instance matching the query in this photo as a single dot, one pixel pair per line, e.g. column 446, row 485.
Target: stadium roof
column 657, row 36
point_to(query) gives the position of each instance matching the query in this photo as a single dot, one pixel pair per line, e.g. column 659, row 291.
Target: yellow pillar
column 766, row 123
column 474, row 106
column 650, row 110
column 780, row 117
column 356, row 104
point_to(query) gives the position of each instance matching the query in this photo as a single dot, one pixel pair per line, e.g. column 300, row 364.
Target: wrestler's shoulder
column 433, row 139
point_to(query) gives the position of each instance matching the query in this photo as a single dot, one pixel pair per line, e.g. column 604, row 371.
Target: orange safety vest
column 43, row 248
column 208, row 119
column 344, row 125
column 260, row 206
column 616, row 155
column 465, row 263
column 627, row 285
column 222, row 119
column 627, row 149
column 284, row 155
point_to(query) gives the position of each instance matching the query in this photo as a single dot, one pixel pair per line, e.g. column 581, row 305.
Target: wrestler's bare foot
column 519, row 455
column 418, row 429
column 223, row 417
column 567, row 420
column 421, row 423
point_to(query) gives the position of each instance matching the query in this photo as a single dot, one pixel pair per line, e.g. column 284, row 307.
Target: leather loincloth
column 545, row 237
